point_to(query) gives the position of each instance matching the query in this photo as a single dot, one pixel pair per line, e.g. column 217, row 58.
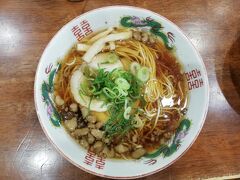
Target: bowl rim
column 203, row 118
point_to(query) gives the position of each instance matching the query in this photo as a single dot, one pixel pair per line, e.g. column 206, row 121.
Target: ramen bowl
column 172, row 36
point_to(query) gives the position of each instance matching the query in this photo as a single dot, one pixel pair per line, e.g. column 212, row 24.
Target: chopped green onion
column 123, row 92
column 81, row 94
column 89, row 105
column 118, row 89
column 143, row 74
column 102, row 97
column 120, row 92
column 126, row 103
column 88, row 72
column 127, row 111
column 110, row 58
column 109, row 93
column 134, row 67
column 92, row 89
column 85, row 88
column 122, row 83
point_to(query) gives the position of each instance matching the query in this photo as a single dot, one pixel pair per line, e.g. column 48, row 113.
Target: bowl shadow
column 228, row 75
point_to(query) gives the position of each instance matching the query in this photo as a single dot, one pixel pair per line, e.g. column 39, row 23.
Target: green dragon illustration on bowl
column 155, row 28
column 47, row 94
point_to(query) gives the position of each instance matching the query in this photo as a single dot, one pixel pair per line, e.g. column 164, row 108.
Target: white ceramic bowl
column 100, row 19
